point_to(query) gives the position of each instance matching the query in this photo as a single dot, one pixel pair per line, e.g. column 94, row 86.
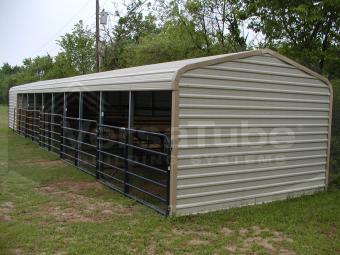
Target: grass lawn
column 48, row 207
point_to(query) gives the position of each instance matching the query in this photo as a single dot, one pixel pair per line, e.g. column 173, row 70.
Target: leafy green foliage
column 79, row 50
column 335, row 143
column 305, row 30
column 178, row 30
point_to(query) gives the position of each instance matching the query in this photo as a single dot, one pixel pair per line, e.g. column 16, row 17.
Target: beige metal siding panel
column 250, row 66
column 210, row 187
column 253, row 165
column 212, row 177
column 196, row 131
column 230, row 193
column 11, row 106
column 257, row 93
column 246, row 140
column 192, row 151
column 188, row 110
column 253, row 101
column 252, row 199
column 268, row 60
column 250, row 130
column 253, row 121
column 277, row 154
column 215, row 73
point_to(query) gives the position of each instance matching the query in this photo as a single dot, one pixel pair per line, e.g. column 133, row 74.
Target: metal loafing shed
column 189, row 136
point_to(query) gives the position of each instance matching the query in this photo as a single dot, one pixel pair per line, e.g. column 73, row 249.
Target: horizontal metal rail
column 76, row 141
column 79, row 130
column 133, row 146
column 139, row 189
column 133, row 174
column 165, row 137
column 80, row 119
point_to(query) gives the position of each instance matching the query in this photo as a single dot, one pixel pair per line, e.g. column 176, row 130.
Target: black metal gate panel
column 135, row 163
column 50, row 131
column 20, row 115
column 27, row 122
column 132, row 162
column 79, row 143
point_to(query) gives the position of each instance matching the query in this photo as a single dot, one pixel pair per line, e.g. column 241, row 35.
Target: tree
column 302, row 29
column 172, row 43
column 62, row 67
column 79, row 49
column 218, row 23
column 131, row 28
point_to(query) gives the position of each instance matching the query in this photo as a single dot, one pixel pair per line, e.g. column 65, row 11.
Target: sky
column 31, row 28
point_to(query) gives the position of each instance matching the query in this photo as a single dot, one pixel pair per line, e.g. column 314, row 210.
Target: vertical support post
column 14, row 124
column 29, row 117
column 126, row 156
column 62, row 124
column 51, row 140
column 34, row 117
column 131, row 109
column 99, row 142
column 61, row 138
column 167, row 149
column 26, row 108
column 22, row 115
column 128, row 140
column 41, row 119
column 80, row 128
column 43, row 138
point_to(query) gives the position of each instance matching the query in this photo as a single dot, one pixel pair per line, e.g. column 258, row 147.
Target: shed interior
column 130, row 130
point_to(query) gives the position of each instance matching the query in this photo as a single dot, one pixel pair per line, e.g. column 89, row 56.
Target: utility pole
column 97, row 36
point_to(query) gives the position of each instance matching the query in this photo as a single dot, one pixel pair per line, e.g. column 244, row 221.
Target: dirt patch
column 244, row 239
column 329, row 232
column 17, row 251
column 185, row 232
column 74, row 186
column 151, row 250
column 270, row 241
column 67, row 214
column 42, row 162
column 227, row 231
column 231, row 248
column 258, row 231
column 198, row 242
column 78, row 207
column 5, row 210
column 263, row 242
column 243, row 231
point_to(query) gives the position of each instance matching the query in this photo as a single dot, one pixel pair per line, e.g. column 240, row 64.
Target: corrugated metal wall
column 250, row 131
column 11, row 105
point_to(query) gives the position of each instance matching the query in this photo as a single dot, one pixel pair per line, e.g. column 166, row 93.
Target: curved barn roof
column 162, row 76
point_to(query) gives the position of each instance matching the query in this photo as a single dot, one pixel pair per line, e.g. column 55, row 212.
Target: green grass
column 48, row 207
